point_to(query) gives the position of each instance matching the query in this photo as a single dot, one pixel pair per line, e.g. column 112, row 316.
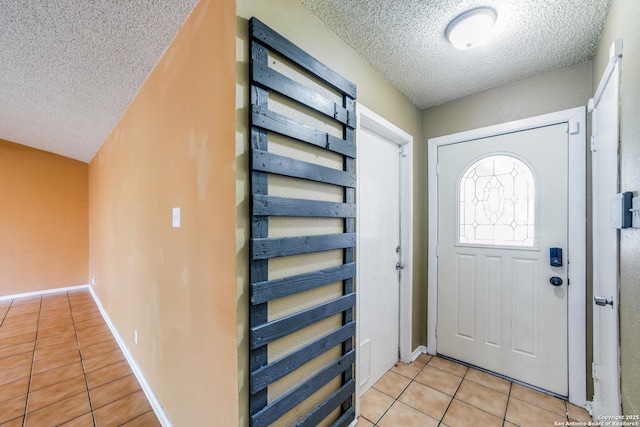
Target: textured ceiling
column 404, row 40
column 70, row 68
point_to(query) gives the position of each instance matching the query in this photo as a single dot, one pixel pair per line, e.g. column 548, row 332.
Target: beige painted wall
column 622, row 22
column 176, row 286
column 289, row 18
column 546, row 93
column 44, row 226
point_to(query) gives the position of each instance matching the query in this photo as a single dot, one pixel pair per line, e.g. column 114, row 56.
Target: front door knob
column 555, row 281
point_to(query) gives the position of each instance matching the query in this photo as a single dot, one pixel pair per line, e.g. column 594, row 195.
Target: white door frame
column 611, row 75
column 576, row 273
column 371, row 121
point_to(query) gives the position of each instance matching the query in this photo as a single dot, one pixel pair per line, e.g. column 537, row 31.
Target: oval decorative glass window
column 497, row 203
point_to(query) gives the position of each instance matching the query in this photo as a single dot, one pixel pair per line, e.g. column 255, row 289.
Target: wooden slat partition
column 335, row 344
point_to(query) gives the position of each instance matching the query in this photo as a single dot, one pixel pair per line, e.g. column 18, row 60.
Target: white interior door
column 502, row 204
column 378, row 227
column 606, row 352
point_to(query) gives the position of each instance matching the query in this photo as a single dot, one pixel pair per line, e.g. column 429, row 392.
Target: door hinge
column 437, row 168
column 594, row 371
column 593, row 143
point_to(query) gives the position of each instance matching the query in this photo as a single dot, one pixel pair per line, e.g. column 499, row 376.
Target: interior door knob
column 555, row 281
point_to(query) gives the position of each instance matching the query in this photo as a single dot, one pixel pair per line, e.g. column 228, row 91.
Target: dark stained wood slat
column 274, row 247
column 271, row 331
column 325, row 408
column 286, row 166
column 278, row 369
column 279, row 288
column 290, row 399
column 347, row 418
column 259, row 269
column 273, row 40
column 282, row 84
column 282, row 206
column 278, row 123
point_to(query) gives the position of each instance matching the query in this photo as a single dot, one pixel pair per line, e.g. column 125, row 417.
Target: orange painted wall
column 174, row 147
column 44, row 230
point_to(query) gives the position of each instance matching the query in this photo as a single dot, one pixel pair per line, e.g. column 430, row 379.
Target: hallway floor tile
column 61, row 366
column 433, row 391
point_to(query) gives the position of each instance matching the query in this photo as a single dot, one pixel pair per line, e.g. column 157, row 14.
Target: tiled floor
column 434, row 392
column 60, row 365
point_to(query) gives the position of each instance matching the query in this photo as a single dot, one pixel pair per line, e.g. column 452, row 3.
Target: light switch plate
column 176, row 217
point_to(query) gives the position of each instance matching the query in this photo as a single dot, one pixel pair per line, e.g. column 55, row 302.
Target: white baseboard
column 418, row 351
column 153, row 400
column 45, row 292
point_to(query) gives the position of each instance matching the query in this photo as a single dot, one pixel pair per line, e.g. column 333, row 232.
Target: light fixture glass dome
column 471, row 28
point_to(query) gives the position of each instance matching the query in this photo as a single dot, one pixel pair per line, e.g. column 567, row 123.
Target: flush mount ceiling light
column 471, row 28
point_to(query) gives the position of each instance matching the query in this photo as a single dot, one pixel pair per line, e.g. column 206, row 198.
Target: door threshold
column 504, row 377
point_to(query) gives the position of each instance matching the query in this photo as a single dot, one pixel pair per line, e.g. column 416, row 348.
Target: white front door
column 606, row 356
column 502, row 205
column 378, row 226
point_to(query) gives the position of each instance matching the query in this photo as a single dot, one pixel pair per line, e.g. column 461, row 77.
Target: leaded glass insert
column 497, row 203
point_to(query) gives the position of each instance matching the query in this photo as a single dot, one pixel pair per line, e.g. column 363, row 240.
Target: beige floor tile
column 403, row 415
column 99, row 348
column 107, row 393
column 577, row 413
column 12, row 408
column 14, row 374
column 54, row 393
column 42, row 365
column 13, row 340
column 363, row 422
column 426, row 400
column 86, row 315
column 55, row 331
column 487, row 380
column 373, row 404
column 482, row 397
column 85, row 420
column 409, row 370
column 149, row 419
column 60, row 412
column 14, row 389
column 57, row 375
column 392, row 384
column 16, row 360
column 440, row 380
column 84, row 333
column 461, row 414
column 525, row 415
column 122, row 410
column 103, row 360
column 90, row 323
column 56, row 350
column 107, row 374
column 539, row 399
column 424, row 358
column 448, row 366
column 26, row 347
column 16, row 422
column 90, row 340
column 68, row 337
